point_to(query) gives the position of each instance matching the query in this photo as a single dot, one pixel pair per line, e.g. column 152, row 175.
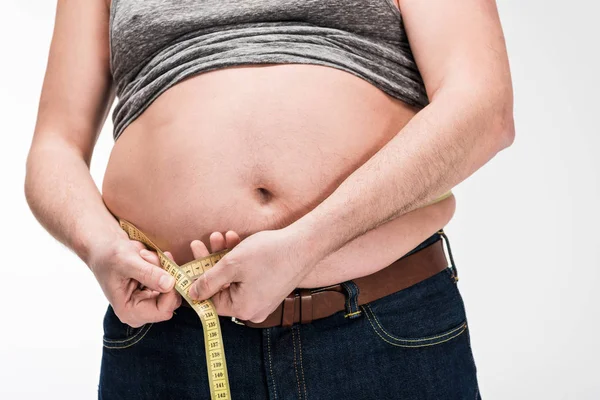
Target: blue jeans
column 411, row 345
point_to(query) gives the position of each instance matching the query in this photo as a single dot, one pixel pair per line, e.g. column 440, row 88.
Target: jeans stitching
column 461, row 329
column 270, row 362
column 416, row 346
column 301, row 365
column 356, row 300
column 349, row 295
column 129, row 338
column 128, row 342
column 408, row 339
column 295, row 364
column 352, row 293
column 353, row 314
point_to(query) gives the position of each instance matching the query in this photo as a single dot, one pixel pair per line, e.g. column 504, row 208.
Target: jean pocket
column 426, row 314
column 118, row 335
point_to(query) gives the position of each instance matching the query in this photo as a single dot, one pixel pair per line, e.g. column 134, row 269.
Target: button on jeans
column 411, row 345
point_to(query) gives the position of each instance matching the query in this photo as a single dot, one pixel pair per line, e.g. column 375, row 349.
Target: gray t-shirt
column 157, row 43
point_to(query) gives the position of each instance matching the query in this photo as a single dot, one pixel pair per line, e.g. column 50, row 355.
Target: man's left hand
column 255, row 276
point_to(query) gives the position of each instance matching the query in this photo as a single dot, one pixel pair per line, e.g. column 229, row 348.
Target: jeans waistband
column 425, row 243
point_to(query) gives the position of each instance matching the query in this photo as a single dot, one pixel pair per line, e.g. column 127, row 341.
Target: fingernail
column 144, row 252
column 166, row 282
column 194, row 292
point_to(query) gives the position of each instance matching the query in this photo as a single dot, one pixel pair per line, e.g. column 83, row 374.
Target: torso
column 252, row 148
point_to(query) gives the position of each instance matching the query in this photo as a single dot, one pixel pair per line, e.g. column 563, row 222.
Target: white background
column 525, row 236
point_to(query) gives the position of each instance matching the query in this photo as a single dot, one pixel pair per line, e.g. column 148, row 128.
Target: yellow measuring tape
column 184, row 275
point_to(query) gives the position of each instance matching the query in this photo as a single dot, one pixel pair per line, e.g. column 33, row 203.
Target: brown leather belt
column 305, row 305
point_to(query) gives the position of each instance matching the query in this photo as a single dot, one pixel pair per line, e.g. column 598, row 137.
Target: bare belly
column 254, row 148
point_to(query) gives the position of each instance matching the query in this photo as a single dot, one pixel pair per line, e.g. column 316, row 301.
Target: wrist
column 309, row 241
column 90, row 243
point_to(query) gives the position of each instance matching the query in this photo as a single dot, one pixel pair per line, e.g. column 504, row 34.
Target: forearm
column 379, row 247
column 441, row 146
column 65, row 200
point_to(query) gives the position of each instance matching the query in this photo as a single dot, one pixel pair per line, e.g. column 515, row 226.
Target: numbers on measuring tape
column 188, row 270
column 216, row 365
column 218, row 374
column 185, row 284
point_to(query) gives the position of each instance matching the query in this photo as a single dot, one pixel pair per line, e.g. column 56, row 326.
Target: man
column 320, row 179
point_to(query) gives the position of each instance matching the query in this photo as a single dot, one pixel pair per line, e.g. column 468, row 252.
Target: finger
column 261, row 316
column 223, row 303
column 258, row 320
column 213, row 280
column 150, row 256
column 151, row 276
column 142, row 311
column 168, row 302
column 232, row 239
column 143, row 294
column 138, row 245
column 199, row 249
column 217, row 242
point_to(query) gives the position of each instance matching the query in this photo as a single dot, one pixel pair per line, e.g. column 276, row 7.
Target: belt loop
column 453, row 265
column 352, row 310
column 287, row 313
column 306, row 307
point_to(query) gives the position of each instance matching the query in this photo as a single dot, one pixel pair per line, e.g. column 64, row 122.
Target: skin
column 461, row 54
column 346, row 205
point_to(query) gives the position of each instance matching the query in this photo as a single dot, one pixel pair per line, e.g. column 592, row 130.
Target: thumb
column 213, row 280
column 152, row 276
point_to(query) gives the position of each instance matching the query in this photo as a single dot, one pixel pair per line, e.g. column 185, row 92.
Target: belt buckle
column 237, row 321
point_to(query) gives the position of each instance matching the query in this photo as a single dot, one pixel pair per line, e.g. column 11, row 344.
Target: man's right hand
column 76, row 97
column 139, row 291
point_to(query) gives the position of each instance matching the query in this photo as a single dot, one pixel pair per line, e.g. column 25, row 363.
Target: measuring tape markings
column 184, row 277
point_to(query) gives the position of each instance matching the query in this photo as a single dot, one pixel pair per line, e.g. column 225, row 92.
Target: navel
column 264, row 195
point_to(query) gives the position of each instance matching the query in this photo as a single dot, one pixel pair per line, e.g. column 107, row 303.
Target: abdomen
column 247, row 149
